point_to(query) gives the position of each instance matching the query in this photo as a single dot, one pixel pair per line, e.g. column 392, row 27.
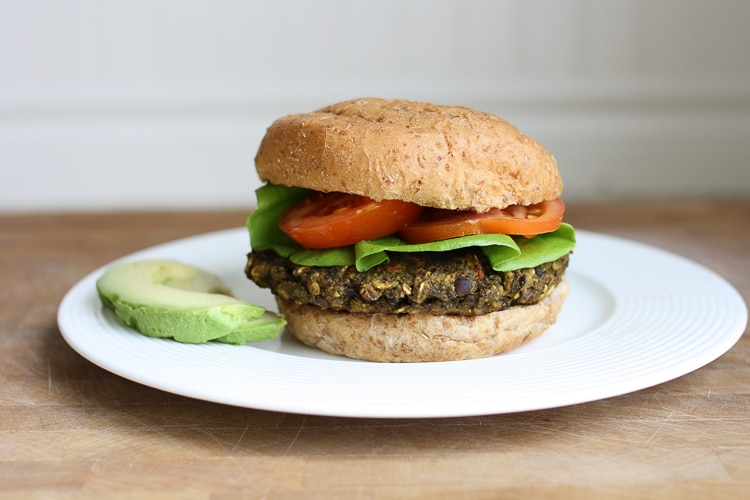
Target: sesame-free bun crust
column 439, row 156
column 421, row 337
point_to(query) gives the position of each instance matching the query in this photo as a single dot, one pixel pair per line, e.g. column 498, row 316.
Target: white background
column 127, row 105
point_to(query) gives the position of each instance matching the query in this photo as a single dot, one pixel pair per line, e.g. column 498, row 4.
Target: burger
column 403, row 231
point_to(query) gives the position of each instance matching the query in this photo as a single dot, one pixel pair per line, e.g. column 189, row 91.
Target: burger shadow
column 153, row 418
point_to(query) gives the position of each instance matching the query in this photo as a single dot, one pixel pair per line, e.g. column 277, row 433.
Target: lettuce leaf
column 371, row 253
column 263, row 223
column 537, row 250
column 505, row 253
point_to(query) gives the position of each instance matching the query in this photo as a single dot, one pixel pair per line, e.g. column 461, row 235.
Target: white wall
column 127, row 104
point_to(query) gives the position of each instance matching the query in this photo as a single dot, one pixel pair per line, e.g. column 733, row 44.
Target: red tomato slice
column 436, row 224
column 328, row 220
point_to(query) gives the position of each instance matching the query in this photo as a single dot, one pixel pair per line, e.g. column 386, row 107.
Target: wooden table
column 70, row 428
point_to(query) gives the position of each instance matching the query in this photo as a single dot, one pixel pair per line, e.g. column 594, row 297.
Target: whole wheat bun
column 437, row 156
column 421, row 337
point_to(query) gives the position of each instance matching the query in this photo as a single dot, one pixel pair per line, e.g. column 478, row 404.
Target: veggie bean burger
column 402, row 231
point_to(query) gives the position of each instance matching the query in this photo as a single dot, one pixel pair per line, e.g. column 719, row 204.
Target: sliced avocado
column 166, row 298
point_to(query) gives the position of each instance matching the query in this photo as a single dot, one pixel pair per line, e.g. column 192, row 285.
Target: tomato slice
column 328, row 220
column 436, row 224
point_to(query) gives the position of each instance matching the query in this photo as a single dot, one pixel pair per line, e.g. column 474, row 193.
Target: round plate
column 636, row 316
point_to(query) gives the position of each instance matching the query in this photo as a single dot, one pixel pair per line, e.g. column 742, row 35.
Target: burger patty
column 456, row 282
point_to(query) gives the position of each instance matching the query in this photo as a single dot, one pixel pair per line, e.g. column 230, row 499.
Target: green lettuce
column 263, row 223
column 505, row 253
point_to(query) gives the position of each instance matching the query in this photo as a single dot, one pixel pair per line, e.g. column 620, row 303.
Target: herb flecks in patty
column 456, row 282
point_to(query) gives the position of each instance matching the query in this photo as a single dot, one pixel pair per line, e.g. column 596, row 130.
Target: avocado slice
column 169, row 299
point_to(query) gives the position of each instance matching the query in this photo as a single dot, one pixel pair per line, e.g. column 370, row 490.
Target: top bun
column 437, row 156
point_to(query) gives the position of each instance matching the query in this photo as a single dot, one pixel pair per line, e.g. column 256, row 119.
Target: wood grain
column 70, row 429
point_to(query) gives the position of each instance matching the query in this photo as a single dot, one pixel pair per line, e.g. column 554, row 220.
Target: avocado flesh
column 169, row 299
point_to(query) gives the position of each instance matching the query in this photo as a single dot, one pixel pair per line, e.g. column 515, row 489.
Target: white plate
column 636, row 316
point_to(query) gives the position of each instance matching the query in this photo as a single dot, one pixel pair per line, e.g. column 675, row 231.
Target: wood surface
column 71, row 429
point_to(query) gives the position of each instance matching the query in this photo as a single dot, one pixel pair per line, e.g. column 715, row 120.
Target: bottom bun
column 421, row 337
